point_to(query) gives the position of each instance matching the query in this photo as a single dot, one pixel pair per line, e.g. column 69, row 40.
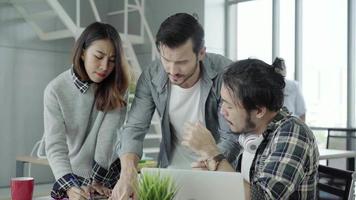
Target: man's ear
column 260, row 112
column 201, row 54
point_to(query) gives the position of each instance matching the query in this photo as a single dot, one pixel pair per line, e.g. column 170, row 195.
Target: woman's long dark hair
column 109, row 94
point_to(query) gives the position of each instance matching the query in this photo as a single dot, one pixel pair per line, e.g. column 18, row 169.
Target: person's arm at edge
column 55, row 134
column 56, row 146
column 131, row 136
column 124, row 187
column 129, row 162
column 225, row 166
column 130, row 139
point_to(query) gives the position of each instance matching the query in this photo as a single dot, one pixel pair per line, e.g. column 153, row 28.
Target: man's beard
column 249, row 125
column 190, row 75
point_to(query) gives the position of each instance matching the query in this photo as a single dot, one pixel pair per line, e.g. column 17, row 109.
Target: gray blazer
column 152, row 92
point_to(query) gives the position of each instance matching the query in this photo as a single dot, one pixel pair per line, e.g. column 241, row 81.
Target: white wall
column 26, row 66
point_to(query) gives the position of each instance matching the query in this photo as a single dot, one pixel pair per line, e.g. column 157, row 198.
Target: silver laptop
column 204, row 185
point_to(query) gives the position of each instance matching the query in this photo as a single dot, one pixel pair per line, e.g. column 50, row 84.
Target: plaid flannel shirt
column 107, row 178
column 286, row 162
column 83, row 86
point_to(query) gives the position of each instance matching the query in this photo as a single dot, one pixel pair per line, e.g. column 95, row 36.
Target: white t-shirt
column 293, row 98
column 184, row 106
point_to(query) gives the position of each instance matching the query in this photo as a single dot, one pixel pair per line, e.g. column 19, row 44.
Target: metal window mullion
column 126, row 3
column 275, row 29
column 77, row 18
column 95, row 10
column 227, row 36
column 298, row 41
column 230, row 44
column 351, row 63
column 142, row 27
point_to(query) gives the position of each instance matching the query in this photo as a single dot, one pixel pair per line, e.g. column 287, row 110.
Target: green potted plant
column 156, row 186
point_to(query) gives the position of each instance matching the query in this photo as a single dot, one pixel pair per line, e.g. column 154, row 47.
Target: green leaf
column 156, row 186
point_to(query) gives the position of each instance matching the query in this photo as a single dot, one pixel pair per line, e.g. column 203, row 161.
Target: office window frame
column 231, row 50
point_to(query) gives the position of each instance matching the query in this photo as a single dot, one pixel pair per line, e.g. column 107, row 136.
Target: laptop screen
column 204, row 185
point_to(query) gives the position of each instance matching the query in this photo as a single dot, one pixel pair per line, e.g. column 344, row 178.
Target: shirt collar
column 282, row 114
column 83, row 86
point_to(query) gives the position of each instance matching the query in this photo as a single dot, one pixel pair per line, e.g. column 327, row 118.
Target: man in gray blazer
column 184, row 86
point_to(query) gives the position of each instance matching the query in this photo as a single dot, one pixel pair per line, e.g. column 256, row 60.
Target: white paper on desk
column 42, row 198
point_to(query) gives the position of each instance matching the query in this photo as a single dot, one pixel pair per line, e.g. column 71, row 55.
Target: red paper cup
column 22, row 188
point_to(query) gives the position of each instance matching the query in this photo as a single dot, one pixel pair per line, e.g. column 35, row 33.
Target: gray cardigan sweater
column 76, row 133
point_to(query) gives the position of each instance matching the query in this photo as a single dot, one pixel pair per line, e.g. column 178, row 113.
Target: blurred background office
column 316, row 38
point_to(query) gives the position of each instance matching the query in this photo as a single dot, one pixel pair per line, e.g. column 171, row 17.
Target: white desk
column 326, row 154
column 333, row 153
column 42, row 198
column 34, row 198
